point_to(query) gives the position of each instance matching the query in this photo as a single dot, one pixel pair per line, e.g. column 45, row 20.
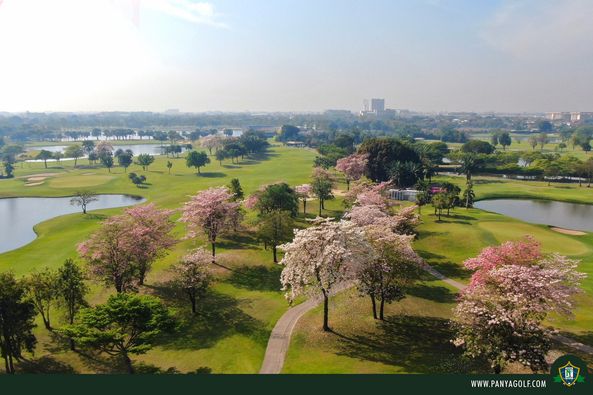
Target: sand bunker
column 36, row 179
column 568, row 231
column 33, row 184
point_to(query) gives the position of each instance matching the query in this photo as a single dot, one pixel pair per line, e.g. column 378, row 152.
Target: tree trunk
column 6, row 367
column 193, row 304
column 374, row 306
column 128, row 363
column 325, row 311
column 46, row 322
column 497, row 369
column 274, row 253
column 439, row 214
column 305, row 207
column 382, row 309
column 347, row 184
column 10, row 363
column 213, row 250
column 320, row 205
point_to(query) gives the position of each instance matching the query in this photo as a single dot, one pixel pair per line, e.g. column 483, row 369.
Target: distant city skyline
column 296, row 56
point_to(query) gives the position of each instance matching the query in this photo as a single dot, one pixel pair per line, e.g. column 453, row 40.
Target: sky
column 296, row 55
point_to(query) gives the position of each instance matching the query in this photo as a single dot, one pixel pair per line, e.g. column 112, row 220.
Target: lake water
column 545, row 212
column 137, row 149
column 19, row 215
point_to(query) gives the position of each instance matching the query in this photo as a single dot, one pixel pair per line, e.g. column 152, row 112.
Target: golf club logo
column 569, row 374
column 569, row 370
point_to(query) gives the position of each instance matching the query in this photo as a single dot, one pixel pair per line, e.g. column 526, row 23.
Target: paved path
column 280, row 338
column 282, row 332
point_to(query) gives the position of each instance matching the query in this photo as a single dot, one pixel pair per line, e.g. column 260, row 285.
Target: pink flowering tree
column 392, row 267
column 513, row 289
column 193, row 276
column 353, row 167
column 123, row 249
column 109, row 255
column 304, row 192
column 320, row 257
column 150, row 233
column 366, row 215
column 212, row 212
column 406, row 220
column 211, row 141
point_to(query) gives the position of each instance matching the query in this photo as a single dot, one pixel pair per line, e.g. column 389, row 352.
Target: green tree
column 44, row 155
column 197, row 159
column 169, row 166
column 321, row 186
column 125, row 160
column 469, row 195
column 278, row 197
column 107, row 161
column 71, row 290
column 236, row 189
column 42, row 289
column 221, row 155
column 275, row 228
column 440, row 201
column 8, row 169
column 17, row 320
column 127, row 324
column 74, row 151
column 144, row 160
column 505, row 140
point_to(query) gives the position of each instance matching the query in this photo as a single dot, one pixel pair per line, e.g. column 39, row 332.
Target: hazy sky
column 269, row 55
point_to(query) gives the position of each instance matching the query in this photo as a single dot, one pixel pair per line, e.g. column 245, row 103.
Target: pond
column 545, row 212
column 19, row 215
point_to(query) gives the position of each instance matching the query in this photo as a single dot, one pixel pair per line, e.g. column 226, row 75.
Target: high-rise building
column 377, row 105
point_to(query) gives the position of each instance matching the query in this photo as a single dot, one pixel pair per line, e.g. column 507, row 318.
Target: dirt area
column 568, row 231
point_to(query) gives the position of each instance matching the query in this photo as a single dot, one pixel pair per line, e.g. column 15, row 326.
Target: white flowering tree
column 393, row 266
column 320, row 257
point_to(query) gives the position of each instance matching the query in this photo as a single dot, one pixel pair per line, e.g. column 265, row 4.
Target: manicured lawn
column 415, row 337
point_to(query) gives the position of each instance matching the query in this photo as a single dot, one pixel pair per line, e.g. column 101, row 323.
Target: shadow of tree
column 257, row 278
column 416, row 343
column 212, row 174
column 238, row 240
column 218, row 316
column 44, row 365
column 434, row 293
column 95, row 217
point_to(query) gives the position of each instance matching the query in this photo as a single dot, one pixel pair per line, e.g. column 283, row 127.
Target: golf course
column 230, row 332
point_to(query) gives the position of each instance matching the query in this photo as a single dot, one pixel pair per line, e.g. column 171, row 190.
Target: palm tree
column 469, row 164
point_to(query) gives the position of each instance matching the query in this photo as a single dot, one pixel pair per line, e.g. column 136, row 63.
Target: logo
column 569, row 374
column 569, row 370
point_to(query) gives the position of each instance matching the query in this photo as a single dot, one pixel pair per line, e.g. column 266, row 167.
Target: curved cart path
column 280, row 337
